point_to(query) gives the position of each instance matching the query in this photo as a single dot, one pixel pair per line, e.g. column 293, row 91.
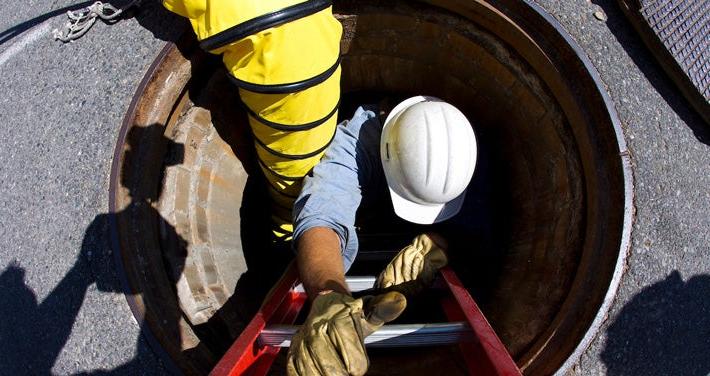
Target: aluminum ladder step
column 402, row 335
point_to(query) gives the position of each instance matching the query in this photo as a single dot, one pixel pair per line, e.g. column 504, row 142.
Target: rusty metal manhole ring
column 555, row 185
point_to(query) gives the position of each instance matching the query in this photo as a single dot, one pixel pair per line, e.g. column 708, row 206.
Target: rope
column 82, row 20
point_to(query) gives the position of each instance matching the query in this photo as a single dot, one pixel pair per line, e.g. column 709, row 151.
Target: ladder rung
column 355, row 284
column 402, row 335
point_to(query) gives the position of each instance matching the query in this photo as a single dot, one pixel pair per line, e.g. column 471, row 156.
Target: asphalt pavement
column 62, row 104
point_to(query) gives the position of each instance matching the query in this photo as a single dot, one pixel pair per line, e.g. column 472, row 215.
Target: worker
column 424, row 155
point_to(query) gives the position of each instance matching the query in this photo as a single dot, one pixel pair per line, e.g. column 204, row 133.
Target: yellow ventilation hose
column 284, row 56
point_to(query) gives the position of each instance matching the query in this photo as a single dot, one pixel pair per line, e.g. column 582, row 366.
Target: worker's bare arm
column 331, row 339
column 320, row 263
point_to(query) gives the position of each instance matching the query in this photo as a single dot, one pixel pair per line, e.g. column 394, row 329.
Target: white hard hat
column 428, row 152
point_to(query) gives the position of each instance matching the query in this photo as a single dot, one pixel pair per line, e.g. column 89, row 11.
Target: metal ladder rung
column 355, row 284
column 402, row 335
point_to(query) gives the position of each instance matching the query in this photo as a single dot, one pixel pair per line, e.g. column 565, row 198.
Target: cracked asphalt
column 60, row 111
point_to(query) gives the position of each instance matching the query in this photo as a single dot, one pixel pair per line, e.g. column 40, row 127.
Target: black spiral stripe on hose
column 294, row 156
column 263, row 22
column 289, row 87
column 286, row 127
column 276, row 190
column 272, row 172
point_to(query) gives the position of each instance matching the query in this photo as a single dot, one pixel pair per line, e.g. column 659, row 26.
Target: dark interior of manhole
column 194, row 219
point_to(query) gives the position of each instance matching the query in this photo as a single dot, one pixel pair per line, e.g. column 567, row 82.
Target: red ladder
column 271, row 329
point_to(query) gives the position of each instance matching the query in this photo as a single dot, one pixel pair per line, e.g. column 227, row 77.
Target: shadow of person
column 32, row 334
column 663, row 330
column 20, row 332
column 37, row 337
column 637, row 50
column 99, row 249
column 193, row 348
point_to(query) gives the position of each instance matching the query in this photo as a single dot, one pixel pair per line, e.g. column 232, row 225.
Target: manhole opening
column 527, row 241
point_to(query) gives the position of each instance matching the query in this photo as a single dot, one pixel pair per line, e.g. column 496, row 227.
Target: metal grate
column 683, row 27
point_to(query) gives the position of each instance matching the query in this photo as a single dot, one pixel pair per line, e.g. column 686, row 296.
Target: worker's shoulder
column 364, row 124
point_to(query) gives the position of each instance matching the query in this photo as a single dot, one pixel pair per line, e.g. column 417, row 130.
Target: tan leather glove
column 415, row 266
column 331, row 340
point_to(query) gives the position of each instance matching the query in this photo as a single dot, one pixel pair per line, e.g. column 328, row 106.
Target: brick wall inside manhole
column 539, row 241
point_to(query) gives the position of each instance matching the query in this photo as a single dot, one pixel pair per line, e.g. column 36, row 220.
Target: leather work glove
column 331, row 340
column 414, row 268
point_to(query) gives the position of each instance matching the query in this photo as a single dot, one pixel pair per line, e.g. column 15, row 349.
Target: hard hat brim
column 425, row 214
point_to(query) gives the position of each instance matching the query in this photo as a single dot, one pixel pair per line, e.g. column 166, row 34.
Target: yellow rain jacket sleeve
column 284, row 56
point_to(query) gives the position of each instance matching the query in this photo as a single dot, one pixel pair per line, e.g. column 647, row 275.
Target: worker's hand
column 331, row 340
column 414, row 268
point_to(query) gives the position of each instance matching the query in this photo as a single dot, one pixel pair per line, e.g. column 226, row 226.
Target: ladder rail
column 246, row 356
column 486, row 355
column 260, row 342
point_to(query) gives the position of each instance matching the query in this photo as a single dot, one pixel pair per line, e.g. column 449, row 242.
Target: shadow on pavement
column 663, row 330
column 32, row 334
column 151, row 15
column 633, row 45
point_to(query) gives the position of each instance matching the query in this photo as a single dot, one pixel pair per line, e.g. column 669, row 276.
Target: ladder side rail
column 475, row 359
column 486, row 355
column 245, row 352
column 287, row 315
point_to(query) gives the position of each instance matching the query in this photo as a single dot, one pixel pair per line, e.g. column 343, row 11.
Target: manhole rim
column 136, row 304
column 628, row 181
